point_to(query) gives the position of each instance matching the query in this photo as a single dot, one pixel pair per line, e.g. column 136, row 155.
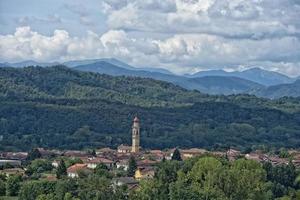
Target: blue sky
column 45, row 16
column 183, row 36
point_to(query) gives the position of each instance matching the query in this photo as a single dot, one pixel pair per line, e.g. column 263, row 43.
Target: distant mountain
column 104, row 67
column 114, row 62
column 253, row 81
column 28, row 63
column 225, row 85
column 258, row 75
column 210, row 73
column 210, row 85
column 4, row 64
column 277, row 91
column 75, row 63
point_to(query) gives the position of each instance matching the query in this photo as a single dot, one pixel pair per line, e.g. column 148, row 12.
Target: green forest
column 57, row 107
column 200, row 178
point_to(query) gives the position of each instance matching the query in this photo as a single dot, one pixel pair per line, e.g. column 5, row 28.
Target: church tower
column 135, row 135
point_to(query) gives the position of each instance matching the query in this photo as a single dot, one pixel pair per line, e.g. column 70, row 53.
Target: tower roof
column 136, row 119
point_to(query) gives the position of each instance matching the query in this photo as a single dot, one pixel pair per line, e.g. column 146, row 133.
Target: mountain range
column 255, row 81
column 256, row 74
column 277, row 91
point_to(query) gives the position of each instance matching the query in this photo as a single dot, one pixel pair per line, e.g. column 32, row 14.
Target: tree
column 2, row 188
column 32, row 190
column 93, row 152
column 63, row 186
column 132, row 166
column 181, row 189
column 39, row 166
column 72, row 161
column 33, row 154
column 94, row 187
column 166, row 174
column 46, row 197
column 68, row 196
column 61, row 170
column 244, row 179
column 176, row 155
column 283, row 153
column 148, row 190
column 102, row 170
column 13, row 185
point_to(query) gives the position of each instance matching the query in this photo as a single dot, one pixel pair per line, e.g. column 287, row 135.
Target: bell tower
column 135, row 135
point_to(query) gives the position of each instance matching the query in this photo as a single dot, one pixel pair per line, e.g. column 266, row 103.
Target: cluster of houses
column 114, row 159
column 118, row 159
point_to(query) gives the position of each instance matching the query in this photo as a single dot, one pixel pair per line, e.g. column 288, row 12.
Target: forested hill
column 58, row 107
column 61, row 82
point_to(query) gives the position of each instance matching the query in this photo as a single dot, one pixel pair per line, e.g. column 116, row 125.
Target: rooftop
column 76, row 167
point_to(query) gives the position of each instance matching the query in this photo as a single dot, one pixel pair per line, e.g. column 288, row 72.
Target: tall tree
column 132, row 166
column 61, row 169
column 33, row 154
column 176, row 155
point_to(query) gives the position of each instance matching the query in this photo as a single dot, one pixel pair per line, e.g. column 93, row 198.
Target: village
column 117, row 160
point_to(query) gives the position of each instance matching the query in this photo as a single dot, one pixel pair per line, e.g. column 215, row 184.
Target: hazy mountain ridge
column 210, row 85
column 277, row 91
column 258, row 75
column 252, row 81
column 75, row 63
column 225, row 85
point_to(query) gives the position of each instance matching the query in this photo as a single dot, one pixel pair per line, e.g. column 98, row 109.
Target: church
column 135, row 134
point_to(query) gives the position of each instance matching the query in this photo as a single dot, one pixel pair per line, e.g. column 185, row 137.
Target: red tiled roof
column 76, row 167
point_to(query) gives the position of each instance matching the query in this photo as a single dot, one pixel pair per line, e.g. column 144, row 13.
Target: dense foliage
column 199, row 178
column 57, row 107
column 213, row 178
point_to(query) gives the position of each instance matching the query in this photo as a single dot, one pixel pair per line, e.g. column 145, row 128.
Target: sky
column 183, row 36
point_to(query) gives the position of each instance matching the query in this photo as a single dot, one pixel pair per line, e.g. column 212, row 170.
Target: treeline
column 57, row 107
column 197, row 178
column 216, row 178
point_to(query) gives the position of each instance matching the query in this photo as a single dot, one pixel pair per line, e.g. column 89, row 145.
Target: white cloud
column 180, row 53
column 181, row 35
column 255, row 19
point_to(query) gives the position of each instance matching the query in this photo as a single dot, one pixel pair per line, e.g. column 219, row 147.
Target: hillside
column 257, row 75
column 251, row 81
column 61, row 82
column 60, row 107
column 209, row 85
column 277, row 91
column 225, row 85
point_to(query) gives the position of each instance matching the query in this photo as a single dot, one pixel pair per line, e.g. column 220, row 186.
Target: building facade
column 135, row 135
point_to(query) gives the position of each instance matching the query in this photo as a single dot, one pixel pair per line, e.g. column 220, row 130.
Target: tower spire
column 135, row 135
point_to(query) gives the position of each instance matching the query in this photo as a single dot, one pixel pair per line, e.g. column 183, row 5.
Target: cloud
column 183, row 36
column 26, row 44
column 180, row 53
column 236, row 19
column 146, row 5
column 25, row 20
